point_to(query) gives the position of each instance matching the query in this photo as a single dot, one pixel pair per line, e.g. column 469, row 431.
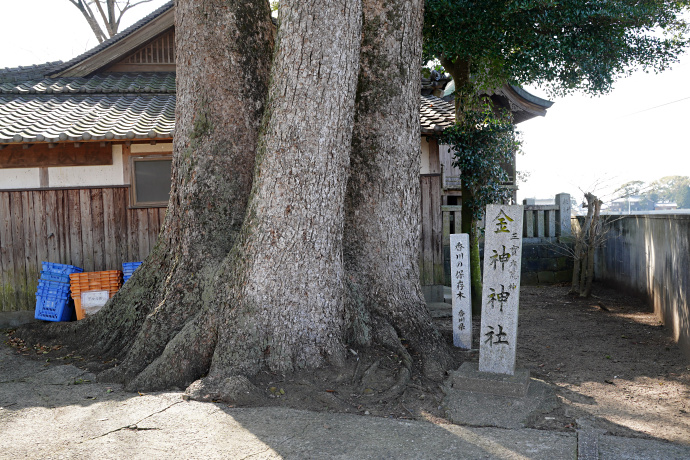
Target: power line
column 655, row 107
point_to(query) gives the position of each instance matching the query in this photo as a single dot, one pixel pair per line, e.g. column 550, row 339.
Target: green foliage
column 683, row 197
column 481, row 142
column 672, row 188
column 563, row 45
column 634, row 187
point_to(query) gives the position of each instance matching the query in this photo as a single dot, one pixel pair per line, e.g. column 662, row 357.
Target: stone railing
column 547, row 222
column 543, row 222
column 543, row 225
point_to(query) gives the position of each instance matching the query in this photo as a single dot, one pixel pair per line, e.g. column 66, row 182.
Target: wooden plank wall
column 91, row 228
column 431, row 245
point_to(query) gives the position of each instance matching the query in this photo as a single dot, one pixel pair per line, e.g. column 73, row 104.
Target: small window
column 150, row 181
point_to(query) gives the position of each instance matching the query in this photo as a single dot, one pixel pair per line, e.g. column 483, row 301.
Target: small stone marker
column 501, row 289
column 460, row 287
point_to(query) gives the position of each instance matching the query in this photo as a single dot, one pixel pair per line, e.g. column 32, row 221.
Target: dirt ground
column 608, row 359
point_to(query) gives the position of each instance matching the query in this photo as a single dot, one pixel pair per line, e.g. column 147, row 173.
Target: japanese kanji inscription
column 501, row 289
column 462, row 300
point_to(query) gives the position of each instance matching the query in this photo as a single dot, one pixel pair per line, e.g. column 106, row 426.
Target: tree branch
column 90, row 19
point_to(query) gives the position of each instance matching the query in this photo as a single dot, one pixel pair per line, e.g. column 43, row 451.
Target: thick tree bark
column 222, row 78
column 243, row 280
column 383, row 201
column 277, row 298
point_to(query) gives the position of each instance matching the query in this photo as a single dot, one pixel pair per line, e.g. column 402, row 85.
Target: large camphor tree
column 563, row 46
column 292, row 229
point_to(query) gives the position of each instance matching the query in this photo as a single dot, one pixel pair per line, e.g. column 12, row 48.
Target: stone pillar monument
column 461, row 286
column 501, row 289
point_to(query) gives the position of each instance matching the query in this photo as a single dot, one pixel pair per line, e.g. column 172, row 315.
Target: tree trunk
column 465, row 97
column 382, row 228
column 90, row 19
column 581, row 248
column 276, row 299
column 213, row 161
column 227, row 293
column 287, row 274
column 593, row 236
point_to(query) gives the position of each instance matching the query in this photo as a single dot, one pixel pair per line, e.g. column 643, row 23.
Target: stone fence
column 543, row 225
column 650, row 255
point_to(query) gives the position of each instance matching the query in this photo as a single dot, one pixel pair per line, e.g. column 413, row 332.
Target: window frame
column 134, row 203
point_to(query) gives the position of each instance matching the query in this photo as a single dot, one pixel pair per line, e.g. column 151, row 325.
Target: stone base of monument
column 487, row 399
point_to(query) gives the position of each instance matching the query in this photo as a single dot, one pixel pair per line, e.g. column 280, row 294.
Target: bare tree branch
column 110, row 12
column 90, row 19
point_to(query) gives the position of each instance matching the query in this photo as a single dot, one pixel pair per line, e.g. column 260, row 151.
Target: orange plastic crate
column 77, row 303
column 109, row 280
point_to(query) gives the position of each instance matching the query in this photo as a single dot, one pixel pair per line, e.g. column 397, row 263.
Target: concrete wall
column 650, row 254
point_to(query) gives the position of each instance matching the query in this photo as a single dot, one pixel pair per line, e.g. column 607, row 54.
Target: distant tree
column 103, row 16
column 683, row 200
column 481, row 142
column 672, row 188
column 634, row 187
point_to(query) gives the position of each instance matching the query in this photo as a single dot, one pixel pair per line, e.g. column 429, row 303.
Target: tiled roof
column 24, row 73
column 105, row 83
column 435, row 114
column 119, row 106
column 102, row 107
column 54, row 118
column 119, row 36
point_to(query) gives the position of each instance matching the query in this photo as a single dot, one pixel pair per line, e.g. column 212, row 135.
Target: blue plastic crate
column 60, row 268
column 53, row 309
column 52, row 288
column 56, row 277
column 130, row 267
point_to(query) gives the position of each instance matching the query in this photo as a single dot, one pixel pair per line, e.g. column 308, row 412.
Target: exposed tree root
column 387, row 336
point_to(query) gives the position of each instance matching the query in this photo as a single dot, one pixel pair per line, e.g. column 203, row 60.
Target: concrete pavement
column 55, row 411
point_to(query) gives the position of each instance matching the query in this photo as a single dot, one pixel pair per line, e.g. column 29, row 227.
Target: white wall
column 19, row 178
column 80, row 176
column 85, row 176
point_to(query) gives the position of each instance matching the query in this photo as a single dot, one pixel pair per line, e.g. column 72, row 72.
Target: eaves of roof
column 57, row 117
column 435, row 115
column 114, row 48
column 75, row 117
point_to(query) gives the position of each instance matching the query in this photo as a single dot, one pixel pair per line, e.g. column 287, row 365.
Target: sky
column 639, row 131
